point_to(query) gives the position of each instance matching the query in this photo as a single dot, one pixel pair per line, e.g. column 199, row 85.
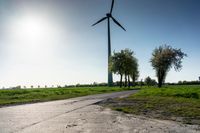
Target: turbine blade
column 113, row 1
column 99, row 21
column 118, row 23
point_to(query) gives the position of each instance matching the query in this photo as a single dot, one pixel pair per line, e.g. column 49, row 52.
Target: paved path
column 81, row 115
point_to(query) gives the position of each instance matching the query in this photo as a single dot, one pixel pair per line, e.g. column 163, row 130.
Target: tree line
column 125, row 64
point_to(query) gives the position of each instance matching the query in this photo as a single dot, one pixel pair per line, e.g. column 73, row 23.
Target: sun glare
column 30, row 28
column 30, row 34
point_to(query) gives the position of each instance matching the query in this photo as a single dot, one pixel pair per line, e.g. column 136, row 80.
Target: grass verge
column 21, row 96
column 178, row 103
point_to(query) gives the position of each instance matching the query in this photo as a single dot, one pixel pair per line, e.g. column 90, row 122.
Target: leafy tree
column 124, row 63
column 117, row 64
column 128, row 65
column 17, row 87
column 180, row 82
column 134, row 71
column 163, row 59
column 149, row 82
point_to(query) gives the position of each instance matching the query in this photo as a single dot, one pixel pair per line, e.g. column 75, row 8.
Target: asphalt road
column 55, row 116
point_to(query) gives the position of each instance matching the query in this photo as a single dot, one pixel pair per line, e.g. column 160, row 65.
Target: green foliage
column 188, row 83
column 125, row 64
column 149, row 82
column 163, row 59
column 190, row 91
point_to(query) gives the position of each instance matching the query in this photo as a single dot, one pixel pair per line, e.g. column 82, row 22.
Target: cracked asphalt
column 82, row 115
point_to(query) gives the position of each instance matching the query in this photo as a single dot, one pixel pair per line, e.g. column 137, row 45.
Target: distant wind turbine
column 108, row 17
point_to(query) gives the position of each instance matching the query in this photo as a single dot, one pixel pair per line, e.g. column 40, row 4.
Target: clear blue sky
column 52, row 42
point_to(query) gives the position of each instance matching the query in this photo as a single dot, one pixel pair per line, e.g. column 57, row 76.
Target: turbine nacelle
column 109, row 15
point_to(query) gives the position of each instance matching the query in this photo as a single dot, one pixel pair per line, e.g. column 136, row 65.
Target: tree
column 149, row 82
column 17, row 87
column 163, row 59
column 134, row 71
column 128, row 66
column 124, row 63
column 117, row 64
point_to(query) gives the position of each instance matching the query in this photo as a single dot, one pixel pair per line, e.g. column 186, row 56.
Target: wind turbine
column 108, row 17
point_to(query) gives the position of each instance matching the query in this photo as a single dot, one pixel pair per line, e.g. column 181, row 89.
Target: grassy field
column 179, row 103
column 20, row 96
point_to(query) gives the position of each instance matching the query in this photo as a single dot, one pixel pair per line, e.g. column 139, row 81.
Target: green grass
column 179, row 103
column 189, row 91
column 20, row 96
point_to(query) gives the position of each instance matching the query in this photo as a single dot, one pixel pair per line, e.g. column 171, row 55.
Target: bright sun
column 30, row 28
column 30, row 34
column 33, row 29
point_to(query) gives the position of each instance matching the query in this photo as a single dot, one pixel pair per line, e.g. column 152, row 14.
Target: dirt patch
column 153, row 109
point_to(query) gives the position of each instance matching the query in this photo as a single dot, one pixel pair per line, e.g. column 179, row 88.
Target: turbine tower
column 109, row 17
